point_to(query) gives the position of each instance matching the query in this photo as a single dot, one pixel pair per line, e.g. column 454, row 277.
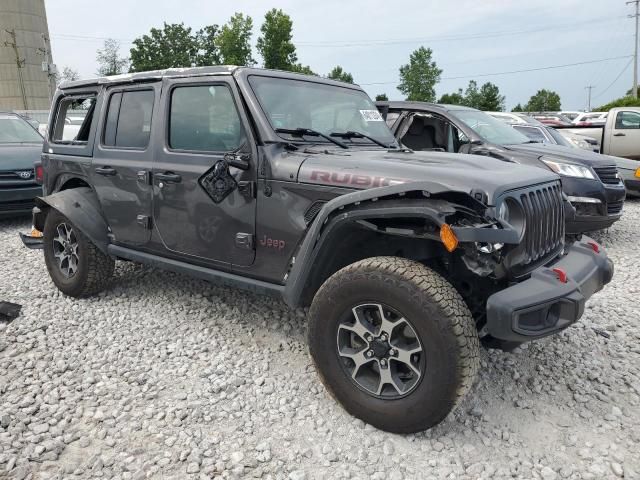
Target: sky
column 371, row 39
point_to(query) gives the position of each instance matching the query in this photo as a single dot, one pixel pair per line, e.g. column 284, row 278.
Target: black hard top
column 417, row 106
column 197, row 72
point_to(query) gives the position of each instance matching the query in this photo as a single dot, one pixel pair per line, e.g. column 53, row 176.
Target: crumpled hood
column 574, row 155
column 19, row 156
column 360, row 169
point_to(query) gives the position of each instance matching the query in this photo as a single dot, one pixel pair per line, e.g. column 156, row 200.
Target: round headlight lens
column 503, row 211
column 510, row 211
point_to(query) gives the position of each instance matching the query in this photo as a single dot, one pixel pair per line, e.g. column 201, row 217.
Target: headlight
column 580, row 143
column 569, row 169
column 510, row 211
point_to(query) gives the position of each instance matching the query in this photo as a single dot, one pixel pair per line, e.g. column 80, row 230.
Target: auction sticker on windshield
column 371, row 116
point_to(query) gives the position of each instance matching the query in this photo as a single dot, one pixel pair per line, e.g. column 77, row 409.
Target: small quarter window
column 204, row 118
column 73, row 120
column 128, row 122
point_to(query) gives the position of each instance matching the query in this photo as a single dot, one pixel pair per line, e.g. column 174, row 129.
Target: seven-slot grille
column 544, row 216
column 608, row 175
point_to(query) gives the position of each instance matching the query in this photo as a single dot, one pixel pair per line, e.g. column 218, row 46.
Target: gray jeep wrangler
column 293, row 185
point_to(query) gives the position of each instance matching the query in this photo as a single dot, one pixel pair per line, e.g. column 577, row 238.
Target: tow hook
column 33, row 239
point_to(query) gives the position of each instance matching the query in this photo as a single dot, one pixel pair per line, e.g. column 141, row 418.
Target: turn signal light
column 637, row 172
column 39, row 174
column 448, row 238
column 35, row 233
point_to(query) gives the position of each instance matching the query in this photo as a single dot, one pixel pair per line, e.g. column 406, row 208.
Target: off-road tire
column 94, row 267
column 441, row 321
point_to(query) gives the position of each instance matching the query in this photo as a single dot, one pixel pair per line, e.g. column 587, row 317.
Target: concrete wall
column 29, row 19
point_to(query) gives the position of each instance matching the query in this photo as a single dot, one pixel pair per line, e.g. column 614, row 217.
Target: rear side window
column 627, row 120
column 204, row 118
column 532, row 133
column 128, row 122
column 73, row 120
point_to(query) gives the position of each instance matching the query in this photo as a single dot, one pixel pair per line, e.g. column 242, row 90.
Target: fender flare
column 371, row 203
column 82, row 207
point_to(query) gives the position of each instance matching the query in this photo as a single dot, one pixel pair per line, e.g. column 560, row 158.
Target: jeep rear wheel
column 394, row 342
column 77, row 267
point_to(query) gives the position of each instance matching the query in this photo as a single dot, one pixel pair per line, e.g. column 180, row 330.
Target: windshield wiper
column 308, row 131
column 352, row 134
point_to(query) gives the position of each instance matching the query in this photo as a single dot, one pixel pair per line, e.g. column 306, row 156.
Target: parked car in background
column 629, row 171
column 619, row 135
column 589, row 180
column 590, row 118
column 538, row 131
column 20, row 148
column 551, row 118
column 570, row 114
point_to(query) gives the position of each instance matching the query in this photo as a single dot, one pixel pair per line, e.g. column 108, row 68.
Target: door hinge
column 244, row 241
column 144, row 221
column 247, row 189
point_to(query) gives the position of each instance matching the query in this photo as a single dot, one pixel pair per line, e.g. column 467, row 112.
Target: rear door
column 122, row 161
column 204, row 173
column 624, row 136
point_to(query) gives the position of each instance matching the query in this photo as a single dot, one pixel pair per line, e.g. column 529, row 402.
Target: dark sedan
column 20, row 148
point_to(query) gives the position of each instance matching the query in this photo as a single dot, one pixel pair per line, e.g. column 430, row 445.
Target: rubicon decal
column 352, row 180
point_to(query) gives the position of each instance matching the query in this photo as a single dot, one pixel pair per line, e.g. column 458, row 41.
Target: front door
column 624, row 137
column 122, row 161
column 204, row 173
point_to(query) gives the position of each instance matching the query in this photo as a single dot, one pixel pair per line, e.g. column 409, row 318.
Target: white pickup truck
column 620, row 135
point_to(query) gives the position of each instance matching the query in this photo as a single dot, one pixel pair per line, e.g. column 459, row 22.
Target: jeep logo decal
column 272, row 243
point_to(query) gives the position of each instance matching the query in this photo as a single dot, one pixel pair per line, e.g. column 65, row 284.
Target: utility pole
column 20, row 64
column 47, row 66
column 589, row 88
column 635, row 49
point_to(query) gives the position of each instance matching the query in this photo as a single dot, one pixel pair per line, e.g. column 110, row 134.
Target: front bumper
column 543, row 305
column 593, row 216
column 14, row 201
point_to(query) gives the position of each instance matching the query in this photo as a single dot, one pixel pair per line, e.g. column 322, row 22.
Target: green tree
column 275, row 44
column 382, row 97
column 339, row 74
column 234, row 41
column 456, row 98
column 419, row 77
column 173, row 46
column 517, row 108
column 305, row 69
column 544, row 101
column 472, row 95
column 490, row 99
column 109, row 60
column 205, row 41
column 627, row 101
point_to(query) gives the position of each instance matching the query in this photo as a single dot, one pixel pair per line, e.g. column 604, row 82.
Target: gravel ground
column 163, row 376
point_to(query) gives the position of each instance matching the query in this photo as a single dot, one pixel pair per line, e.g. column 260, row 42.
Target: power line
column 616, row 79
column 480, row 75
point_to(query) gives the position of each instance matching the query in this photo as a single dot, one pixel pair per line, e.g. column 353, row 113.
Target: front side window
column 204, row 118
column 73, row 120
column 14, row 129
column 128, row 122
column 329, row 109
column 627, row 120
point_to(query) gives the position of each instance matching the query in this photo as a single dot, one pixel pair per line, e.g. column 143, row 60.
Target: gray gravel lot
column 163, row 376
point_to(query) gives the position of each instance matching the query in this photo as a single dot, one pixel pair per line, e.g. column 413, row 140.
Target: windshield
column 491, row 129
column 14, row 129
column 294, row 104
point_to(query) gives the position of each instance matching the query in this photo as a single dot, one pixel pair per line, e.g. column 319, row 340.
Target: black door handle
column 619, row 135
column 168, row 177
column 106, row 171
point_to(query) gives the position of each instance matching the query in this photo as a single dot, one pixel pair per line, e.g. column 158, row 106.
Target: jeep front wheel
column 77, row 267
column 394, row 342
